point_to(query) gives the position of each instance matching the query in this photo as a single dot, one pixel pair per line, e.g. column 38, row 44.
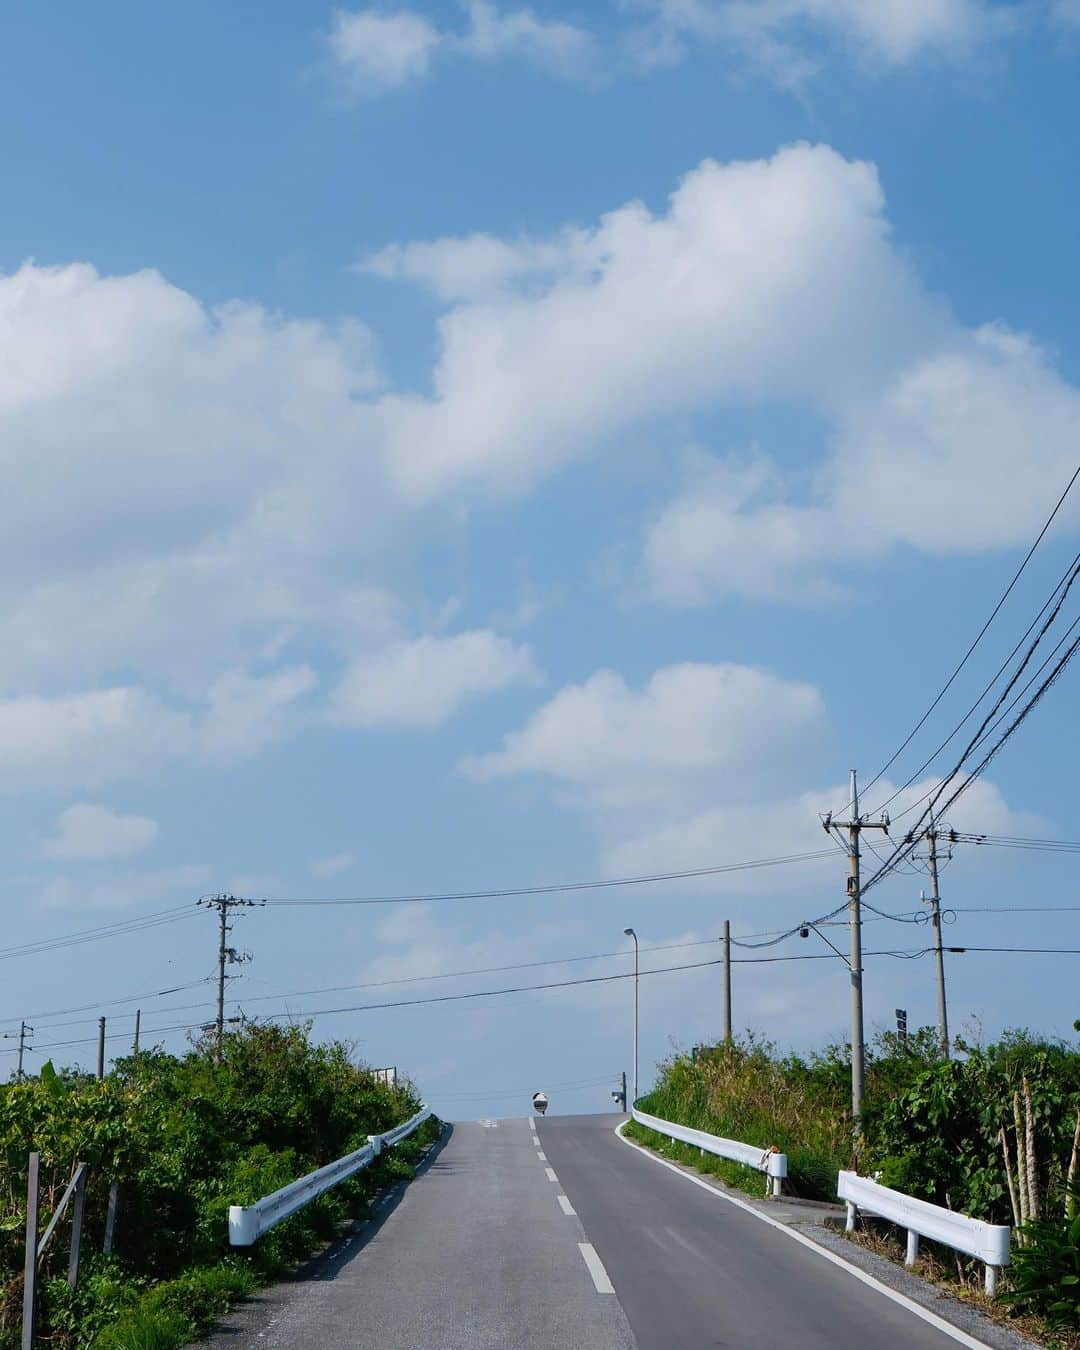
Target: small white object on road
column 567, row 1207
column 551, row 1174
column 596, row 1268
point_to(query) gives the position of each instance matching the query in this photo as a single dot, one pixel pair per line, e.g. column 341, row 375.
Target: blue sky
column 473, row 447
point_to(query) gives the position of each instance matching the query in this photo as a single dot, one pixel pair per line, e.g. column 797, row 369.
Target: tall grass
column 744, row 1091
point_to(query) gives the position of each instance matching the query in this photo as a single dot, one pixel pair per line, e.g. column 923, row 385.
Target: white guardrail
column 769, row 1160
column 989, row 1242
column 247, row 1223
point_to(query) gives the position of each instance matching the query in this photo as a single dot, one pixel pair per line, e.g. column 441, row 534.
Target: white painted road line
column 925, row 1314
column 551, row 1174
column 542, row 1156
column 532, row 1124
column 596, row 1268
column 567, row 1207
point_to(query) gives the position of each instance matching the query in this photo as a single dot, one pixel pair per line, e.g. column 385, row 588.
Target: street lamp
column 629, row 932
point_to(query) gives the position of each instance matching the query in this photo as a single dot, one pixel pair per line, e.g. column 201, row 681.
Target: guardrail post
column 33, row 1199
column 852, row 1218
column 991, row 1280
column 912, row 1247
column 375, row 1140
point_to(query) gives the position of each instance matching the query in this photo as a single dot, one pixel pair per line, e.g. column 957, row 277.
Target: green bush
column 185, row 1136
column 1045, row 1272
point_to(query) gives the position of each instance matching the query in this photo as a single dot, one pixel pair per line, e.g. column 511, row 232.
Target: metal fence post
column 110, row 1217
column 33, row 1198
column 77, row 1213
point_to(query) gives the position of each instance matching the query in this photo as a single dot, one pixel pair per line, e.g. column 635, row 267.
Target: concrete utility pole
column 727, row 981
column 138, row 1024
column 101, row 1049
column 939, row 956
column 854, row 826
column 21, row 1036
column 226, row 955
column 23, row 1029
column 629, row 932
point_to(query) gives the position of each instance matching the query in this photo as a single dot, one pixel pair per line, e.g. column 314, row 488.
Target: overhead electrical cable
column 978, row 638
column 508, row 892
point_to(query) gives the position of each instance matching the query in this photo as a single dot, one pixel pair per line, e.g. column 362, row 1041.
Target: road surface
column 556, row 1234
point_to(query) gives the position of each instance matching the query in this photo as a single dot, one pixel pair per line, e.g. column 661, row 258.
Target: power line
column 119, row 929
column 899, row 954
column 978, row 638
column 508, row 892
column 911, row 838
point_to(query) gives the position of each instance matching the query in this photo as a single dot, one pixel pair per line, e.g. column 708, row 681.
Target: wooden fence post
column 78, row 1210
column 33, row 1198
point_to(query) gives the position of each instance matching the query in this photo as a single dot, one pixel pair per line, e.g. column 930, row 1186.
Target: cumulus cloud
column 790, row 40
column 622, row 746
column 181, row 471
column 94, row 736
column 682, row 773
column 96, row 832
column 379, row 50
column 424, row 681
column 769, row 283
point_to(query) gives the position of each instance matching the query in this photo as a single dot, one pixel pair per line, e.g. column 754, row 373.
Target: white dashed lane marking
column 551, row 1174
column 596, row 1268
column 567, row 1207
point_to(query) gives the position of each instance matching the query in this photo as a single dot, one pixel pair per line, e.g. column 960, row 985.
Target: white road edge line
column 541, row 1156
column 596, row 1268
column 532, row 1124
column 567, row 1207
column 551, row 1174
column 927, row 1316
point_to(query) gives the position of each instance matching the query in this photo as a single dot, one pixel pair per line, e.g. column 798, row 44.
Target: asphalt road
column 693, row 1271
column 478, row 1254
column 556, row 1235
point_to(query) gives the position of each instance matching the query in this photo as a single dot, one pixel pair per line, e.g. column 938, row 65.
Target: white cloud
column 479, row 265
column 964, row 418
column 97, row 735
column 689, row 771
column 718, row 301
column 382, row 50
column 182, row 473
column 124, row 889
column 690, row 723
column 718, row 304
column 332, row 866
column 87, row 737
column 422, row 682
column 718, row 834
column 248, row 712
column 790, row 39
column 95, row 832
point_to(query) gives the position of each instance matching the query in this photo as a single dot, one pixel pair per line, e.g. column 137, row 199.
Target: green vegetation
column 992, row 1133
column 185, row 1137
